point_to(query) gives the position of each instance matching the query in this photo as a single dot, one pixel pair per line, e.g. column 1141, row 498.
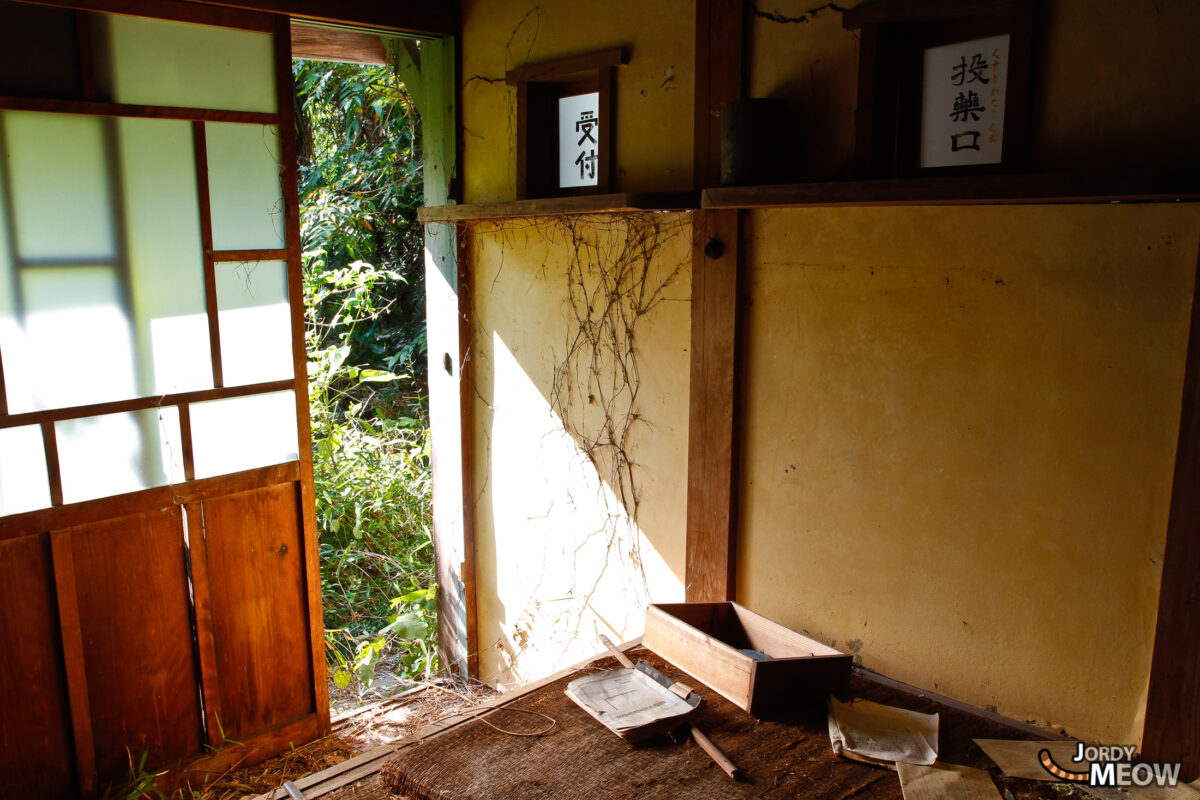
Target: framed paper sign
column 962, row 103
column 943, row 87
column 565, row 116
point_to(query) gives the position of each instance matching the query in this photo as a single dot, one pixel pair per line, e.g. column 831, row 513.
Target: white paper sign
column 579, row 140
column 962, row 104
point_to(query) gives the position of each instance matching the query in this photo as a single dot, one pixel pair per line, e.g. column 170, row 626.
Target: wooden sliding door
column 159, row 593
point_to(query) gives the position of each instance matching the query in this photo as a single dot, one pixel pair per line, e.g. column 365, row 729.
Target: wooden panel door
column 257, row 594
column 136, row 631
column 36, row 751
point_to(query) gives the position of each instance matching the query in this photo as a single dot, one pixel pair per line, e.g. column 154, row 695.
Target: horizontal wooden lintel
column 321, row 43
column 1133, row 186
column 560, row 206
column 225, row 256
column 566, row 68
column 96, row 108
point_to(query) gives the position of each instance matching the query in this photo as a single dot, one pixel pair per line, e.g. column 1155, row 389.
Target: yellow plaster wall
column 567, row 547
column 653, row 92
column 959, row 440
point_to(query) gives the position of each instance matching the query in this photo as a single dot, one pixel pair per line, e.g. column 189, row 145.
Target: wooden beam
column 565, row 68
column 713, row 409
column 717, row 268
column 337, row 44
column 197, row 12
column 309, row 533
column 1172, row 725
column 466, row 360
column 100, row 109
column 424, row 17
column 720, row 27
column 204, row 206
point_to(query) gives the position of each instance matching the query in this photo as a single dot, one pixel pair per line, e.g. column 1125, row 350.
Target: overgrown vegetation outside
column 360, row 185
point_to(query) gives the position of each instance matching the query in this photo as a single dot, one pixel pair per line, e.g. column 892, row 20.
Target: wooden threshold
column 1128, row 186
column 96, row 108
column 563, row 206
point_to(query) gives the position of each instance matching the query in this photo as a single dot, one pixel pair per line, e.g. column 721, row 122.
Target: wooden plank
column 466, row 395
column 560, row 206
column 720, row 33
column 1065, row 187
column 429, row 17
column 3, row 391
column 169, row 9
column 32, row 523
column 36, row 758
column 53, row 471
column 143, row 403
column 1172, row 723
column 136, row 632
column 245, row 752
column 96, row 108
column 259, row 609
column 713, row 407
column 225, row 256
column 76, row 669
column 309, row 533
column 204, row 208
column 566, row 68
column 335, row 44
column 206, row 649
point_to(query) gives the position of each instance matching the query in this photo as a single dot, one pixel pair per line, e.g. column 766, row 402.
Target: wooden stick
column 705, row 743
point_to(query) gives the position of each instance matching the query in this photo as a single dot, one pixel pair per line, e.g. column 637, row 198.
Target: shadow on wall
column 581, row 371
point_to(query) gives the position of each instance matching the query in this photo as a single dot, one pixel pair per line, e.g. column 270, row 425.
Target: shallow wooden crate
column 706, row 640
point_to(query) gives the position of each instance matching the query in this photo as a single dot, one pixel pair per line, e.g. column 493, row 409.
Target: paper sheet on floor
column 882, row 733
column 1019, row 759
column 945, row 782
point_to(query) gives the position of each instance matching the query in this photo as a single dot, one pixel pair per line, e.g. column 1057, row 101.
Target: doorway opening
column 360, row 180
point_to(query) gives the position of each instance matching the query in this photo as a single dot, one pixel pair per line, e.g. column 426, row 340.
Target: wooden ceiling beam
column 337, row 44
column 422, row 17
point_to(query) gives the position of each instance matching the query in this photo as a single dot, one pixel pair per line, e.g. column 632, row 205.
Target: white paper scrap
column 882, row 733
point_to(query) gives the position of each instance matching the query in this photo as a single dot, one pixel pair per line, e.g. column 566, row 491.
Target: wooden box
column 710, row 641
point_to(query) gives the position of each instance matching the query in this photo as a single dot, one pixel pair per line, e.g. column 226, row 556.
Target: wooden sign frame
column 539, row 87
column 890, row 81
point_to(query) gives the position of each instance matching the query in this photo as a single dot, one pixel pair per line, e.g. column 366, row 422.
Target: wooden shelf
column 1139, row 186
column 561, row 206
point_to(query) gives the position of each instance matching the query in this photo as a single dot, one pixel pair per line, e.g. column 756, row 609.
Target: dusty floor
column 371, row 721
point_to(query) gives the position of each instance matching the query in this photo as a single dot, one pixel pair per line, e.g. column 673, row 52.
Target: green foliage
column 364, row 296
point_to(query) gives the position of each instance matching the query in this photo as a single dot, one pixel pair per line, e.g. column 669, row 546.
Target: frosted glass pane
column 163, row 63
column 243, row 175
column 255, row 322
column 117, row 453
column 75, row 347
column 58, row 166
column 24, row 485
column 166, row 266
column 244, row 433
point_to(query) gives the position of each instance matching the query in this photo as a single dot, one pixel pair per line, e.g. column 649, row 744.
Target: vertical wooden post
column 717, row 269
column 286, row 99
column 1172, row 725
column 466, row 381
